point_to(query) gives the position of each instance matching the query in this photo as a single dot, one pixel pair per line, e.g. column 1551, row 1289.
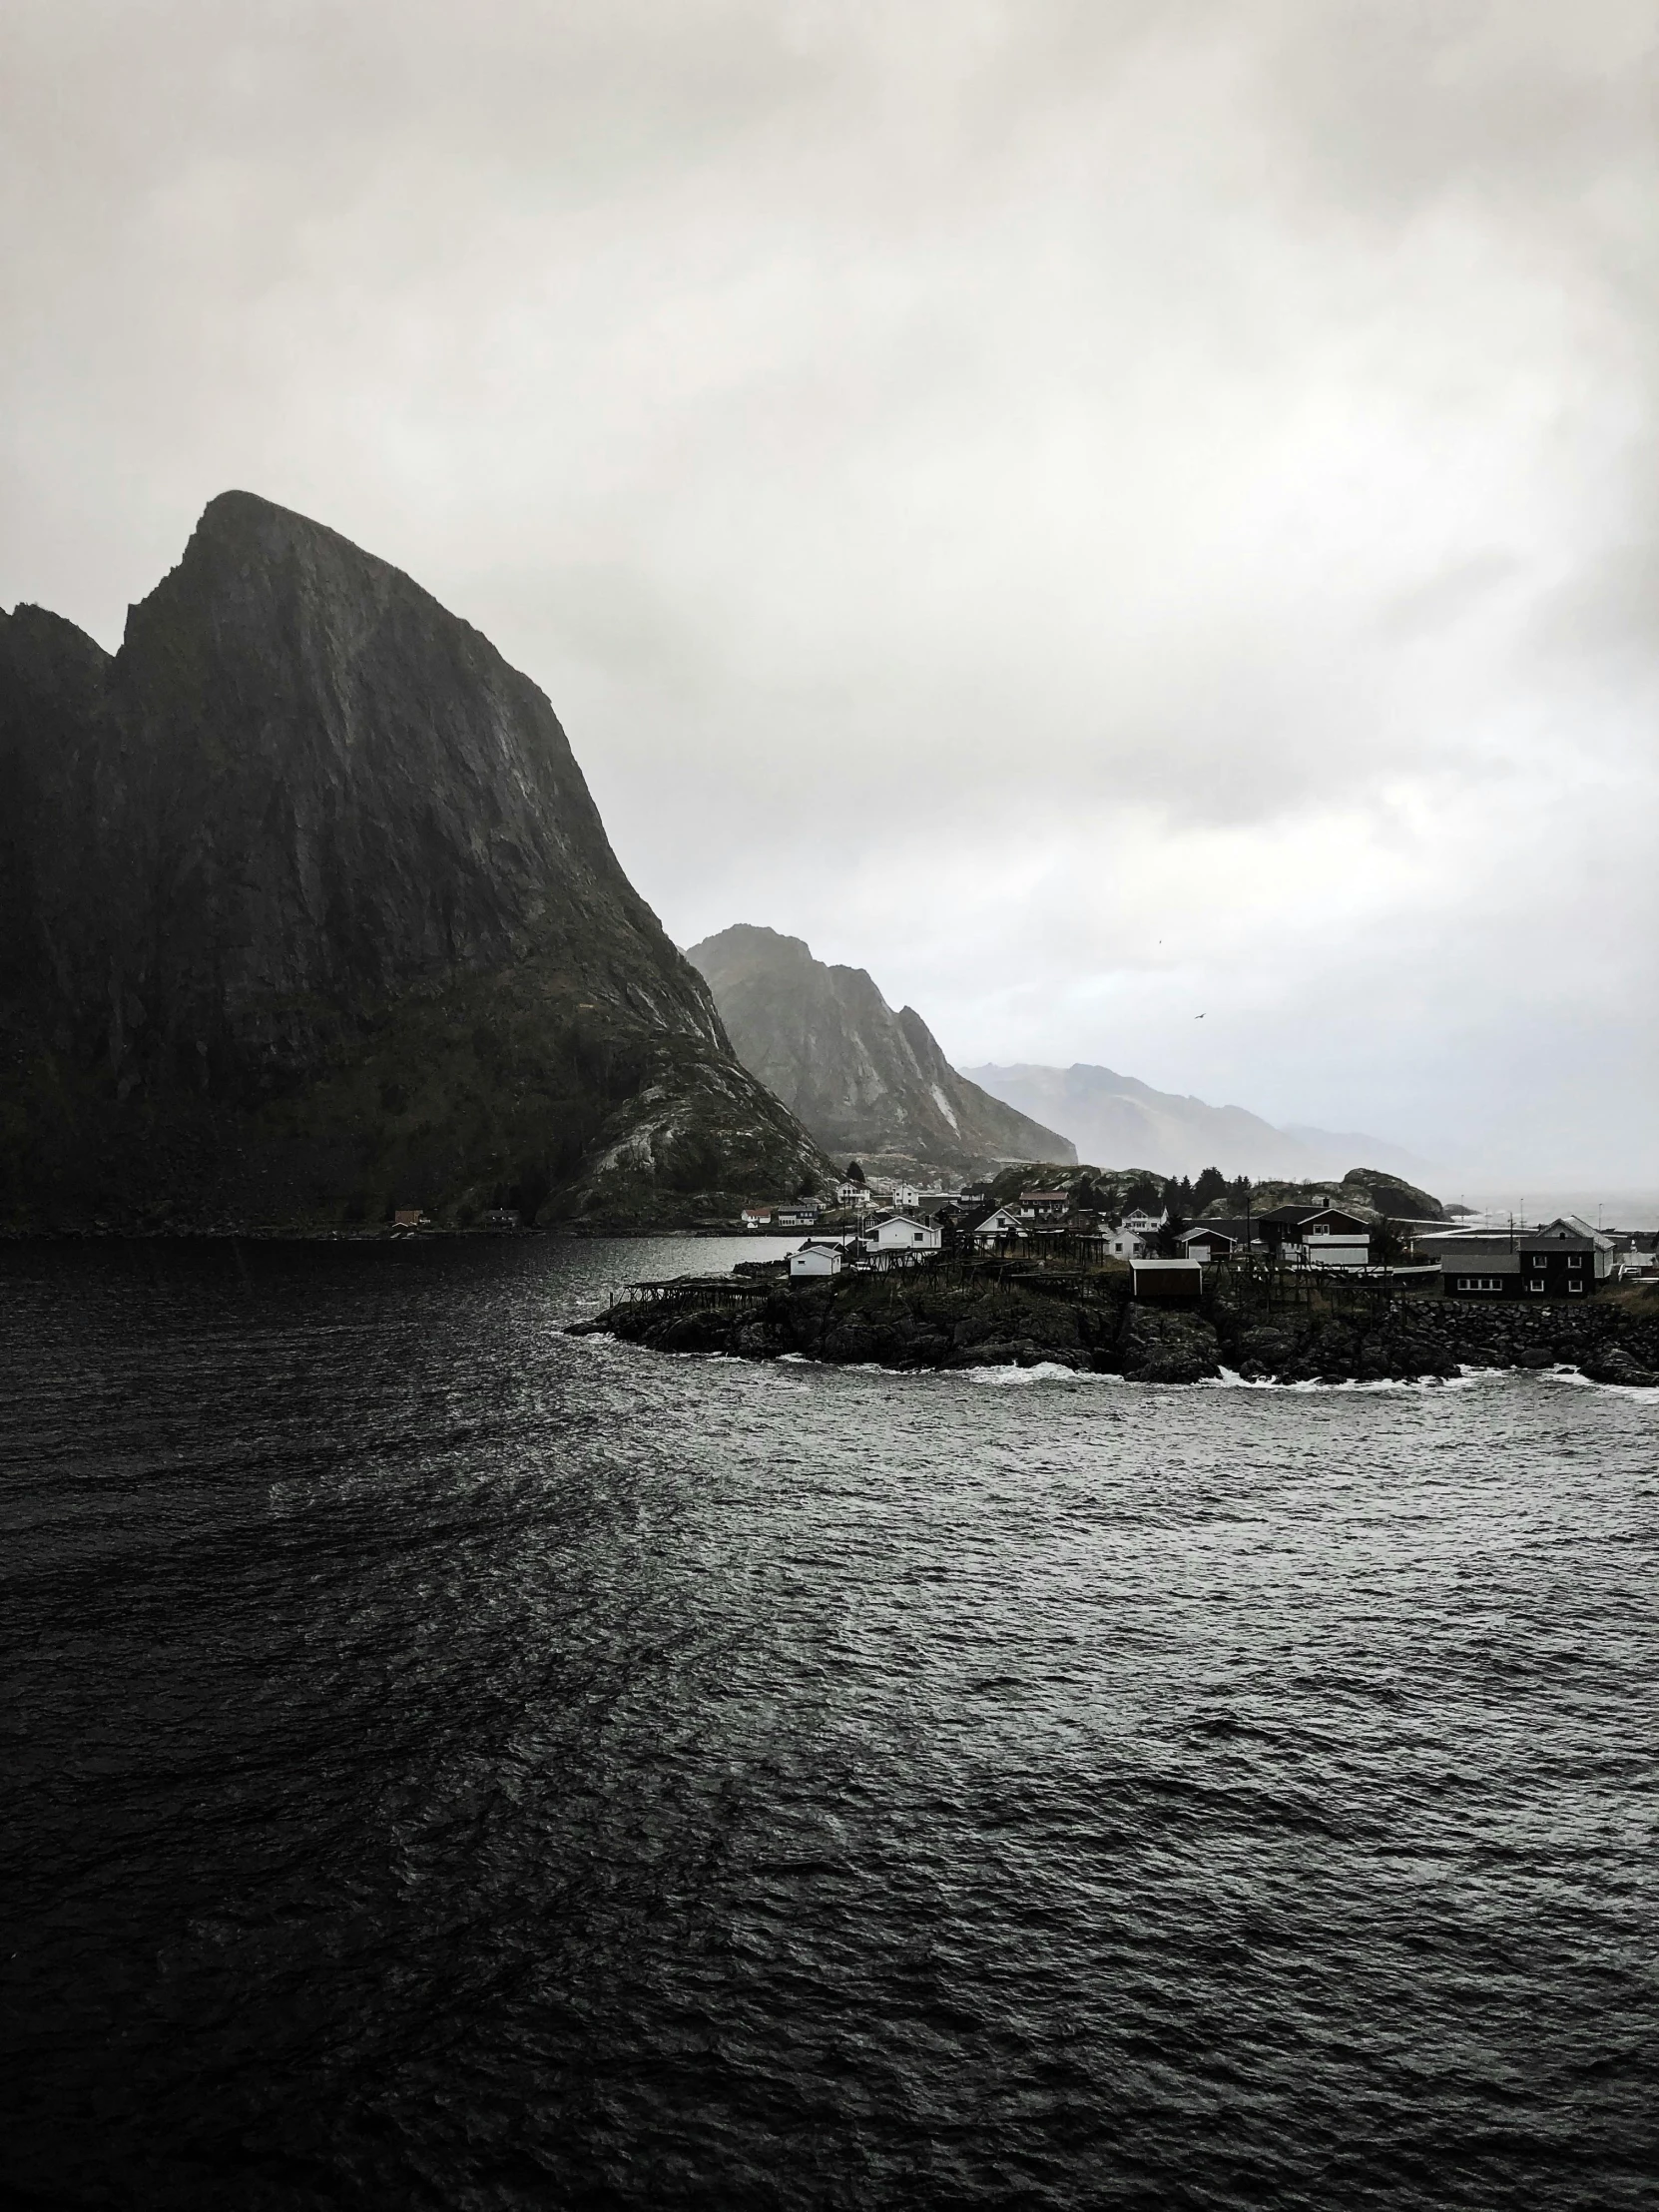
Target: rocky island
column 989, row 1315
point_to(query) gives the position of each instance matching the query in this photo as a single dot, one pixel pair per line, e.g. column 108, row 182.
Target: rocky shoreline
column 381, row 1232
column 953, row 1324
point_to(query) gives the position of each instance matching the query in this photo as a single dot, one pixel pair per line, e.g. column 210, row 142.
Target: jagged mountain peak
column 308, row 905
column 863, row 1078
column 249, row 548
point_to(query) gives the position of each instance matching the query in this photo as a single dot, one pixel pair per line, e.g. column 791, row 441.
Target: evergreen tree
column 854, row 1173
column 1211, row 1185
column 1391, row 1243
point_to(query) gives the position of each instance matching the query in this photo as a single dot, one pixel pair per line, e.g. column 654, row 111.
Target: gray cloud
column 1087, row 510
column 1449, row 598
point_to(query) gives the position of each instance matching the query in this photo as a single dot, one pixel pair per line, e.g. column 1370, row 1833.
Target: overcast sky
column 1100, row 513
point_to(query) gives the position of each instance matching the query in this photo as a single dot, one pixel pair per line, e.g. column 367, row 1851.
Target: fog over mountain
column 1116, row 1121
column 1142, row 513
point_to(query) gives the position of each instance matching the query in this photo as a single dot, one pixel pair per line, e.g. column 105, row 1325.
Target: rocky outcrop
column 1369, row 1193
column 864, row 1079
column 309, row 913
column 1163, row 1346
column 982, row 1321
column 856, row 1320
column 1608, row 1340
column 1388, row 1197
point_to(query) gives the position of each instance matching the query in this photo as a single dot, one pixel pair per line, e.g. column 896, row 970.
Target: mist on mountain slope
column 1116, row 1119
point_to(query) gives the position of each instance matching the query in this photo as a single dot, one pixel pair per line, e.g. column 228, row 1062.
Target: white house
column 1139, row 1223
column 796, row 1213
column 898, row 1232
column 905, row 1195
column 756, row 1217
column 1336, row 1239
column 815, row 1259
column 851, row 1194
column 1336, row 1252
column 1214, row 1240
column 1635, row 1254
column 997, row 1225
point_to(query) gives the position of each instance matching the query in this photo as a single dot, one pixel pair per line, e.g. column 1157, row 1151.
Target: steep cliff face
column 862, row 1078
column 310, row 913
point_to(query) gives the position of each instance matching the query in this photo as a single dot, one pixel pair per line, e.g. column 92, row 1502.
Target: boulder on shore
column 1156, row 1347
column 1617, row 1365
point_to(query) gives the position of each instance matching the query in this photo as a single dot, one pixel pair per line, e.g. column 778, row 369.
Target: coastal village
column 1366, row 1281
column 1168, row 1237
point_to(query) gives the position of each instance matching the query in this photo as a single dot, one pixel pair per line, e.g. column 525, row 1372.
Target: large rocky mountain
column 862, row 1078
column 307, row 913
column 1115, row 1118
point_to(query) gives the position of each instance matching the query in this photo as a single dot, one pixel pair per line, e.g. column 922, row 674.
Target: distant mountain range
column 1115, row 1120
column 864, row 1080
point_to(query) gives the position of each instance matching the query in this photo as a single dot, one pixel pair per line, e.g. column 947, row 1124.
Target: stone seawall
column 1413, row 1339
column 963, row 1325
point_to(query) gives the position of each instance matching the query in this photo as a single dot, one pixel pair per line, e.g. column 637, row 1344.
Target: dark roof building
column 1168, row 1282
column 1558, row 1259
column 1214, row 1240
column 1282, row 1225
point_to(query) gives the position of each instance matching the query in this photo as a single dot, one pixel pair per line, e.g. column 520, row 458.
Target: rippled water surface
column 452, row 1763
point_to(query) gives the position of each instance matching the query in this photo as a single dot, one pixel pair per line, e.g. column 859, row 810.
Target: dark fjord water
column 455, row 1765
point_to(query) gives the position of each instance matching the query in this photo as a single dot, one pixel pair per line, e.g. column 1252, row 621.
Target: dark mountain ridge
column 862, row 1077
column 308, row 913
